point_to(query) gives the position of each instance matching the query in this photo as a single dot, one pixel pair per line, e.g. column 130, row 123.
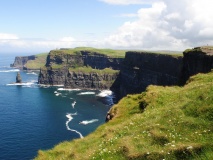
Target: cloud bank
column 173, row 25
column 166, row 25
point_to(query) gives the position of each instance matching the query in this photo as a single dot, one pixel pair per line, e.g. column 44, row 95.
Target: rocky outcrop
column 18, row 78
column 21, row 61
column 141, row 69
column 197, row 60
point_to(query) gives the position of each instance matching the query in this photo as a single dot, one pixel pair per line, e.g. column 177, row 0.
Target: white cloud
column 13, row 43
column 6, row 36
column 174, row 25
column 67, row 39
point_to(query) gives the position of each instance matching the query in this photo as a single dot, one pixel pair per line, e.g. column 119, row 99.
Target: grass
column 77, row 51
column 38, row 62
column 90, row 70
column 108, row 52
column 161, row 123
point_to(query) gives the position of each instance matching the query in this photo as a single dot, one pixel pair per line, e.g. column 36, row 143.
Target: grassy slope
column 108, row 52
column 177, row 123
column 38, row 62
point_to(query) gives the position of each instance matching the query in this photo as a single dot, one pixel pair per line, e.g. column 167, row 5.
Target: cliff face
column 90, row 80
column 49, row 76
column 21, row 61
column 57, row 70
column 197, row 60
column 83, row 58
column 137, row 69
column 142, row 69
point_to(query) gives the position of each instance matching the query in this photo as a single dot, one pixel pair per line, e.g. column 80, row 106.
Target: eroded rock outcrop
column 18, row 78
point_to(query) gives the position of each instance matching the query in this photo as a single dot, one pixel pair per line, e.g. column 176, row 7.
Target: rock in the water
column 18, row 78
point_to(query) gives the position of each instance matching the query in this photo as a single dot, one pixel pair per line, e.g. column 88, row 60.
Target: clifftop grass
column 108, row 52
column 161, row 123
column 76, row 51
column 90, row 70
column 38, row 62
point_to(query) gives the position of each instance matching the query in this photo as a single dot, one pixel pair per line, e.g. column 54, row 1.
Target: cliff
column 21, row 61
column 76, row 68
column 196, row 60
column 34, row 62
column 141, row 69
column 137, row 69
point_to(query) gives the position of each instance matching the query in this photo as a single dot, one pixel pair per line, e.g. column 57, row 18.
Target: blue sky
column 42, row 25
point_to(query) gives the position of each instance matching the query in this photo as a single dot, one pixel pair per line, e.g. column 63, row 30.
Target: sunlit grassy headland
column 161, row 123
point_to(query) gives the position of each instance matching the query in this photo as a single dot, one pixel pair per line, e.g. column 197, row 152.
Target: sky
column 35, row 26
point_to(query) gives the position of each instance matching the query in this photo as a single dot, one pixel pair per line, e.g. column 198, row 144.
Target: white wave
column 70, row 118
column 86, row 93
column 68, row 89
column 73, row 104
column 57, row 93
column 12, row 70
column 33, row 73
column 47, row 86
column 105, row 93
column 88, row 121
column 21, row 84
column 5, row 67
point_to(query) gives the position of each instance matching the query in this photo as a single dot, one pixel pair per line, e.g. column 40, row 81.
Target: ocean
column 34, row 117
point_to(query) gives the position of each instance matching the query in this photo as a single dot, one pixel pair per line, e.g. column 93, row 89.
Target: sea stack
column 18, row 78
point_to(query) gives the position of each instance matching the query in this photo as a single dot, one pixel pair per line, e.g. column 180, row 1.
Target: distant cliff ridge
column 21, row 61
column 80, row 69
column 103, row 68
column 34, row 62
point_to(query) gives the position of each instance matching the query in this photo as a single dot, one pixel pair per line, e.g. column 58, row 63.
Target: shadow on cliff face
column 140, row 70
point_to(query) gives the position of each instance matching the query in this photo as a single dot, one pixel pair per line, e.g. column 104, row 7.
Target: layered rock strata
column 58, row 70
column 141, row 69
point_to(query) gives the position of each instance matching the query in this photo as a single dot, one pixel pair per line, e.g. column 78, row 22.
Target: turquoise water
column 34, row 117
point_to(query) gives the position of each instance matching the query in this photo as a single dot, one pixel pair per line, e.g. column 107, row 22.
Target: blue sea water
column 34, row 117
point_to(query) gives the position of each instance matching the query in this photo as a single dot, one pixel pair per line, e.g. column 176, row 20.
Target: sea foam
column 86, row 93
column 12, row 70
column 70, row 118
column 105, row 93
column 67, row 89
column 88, row 121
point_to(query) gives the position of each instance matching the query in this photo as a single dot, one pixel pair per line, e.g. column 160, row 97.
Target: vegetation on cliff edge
column 90, row 70
column 76, row 51
column 161, row 123
column 38, row 62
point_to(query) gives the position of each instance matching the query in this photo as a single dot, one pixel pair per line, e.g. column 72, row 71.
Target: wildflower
column 190, row 147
